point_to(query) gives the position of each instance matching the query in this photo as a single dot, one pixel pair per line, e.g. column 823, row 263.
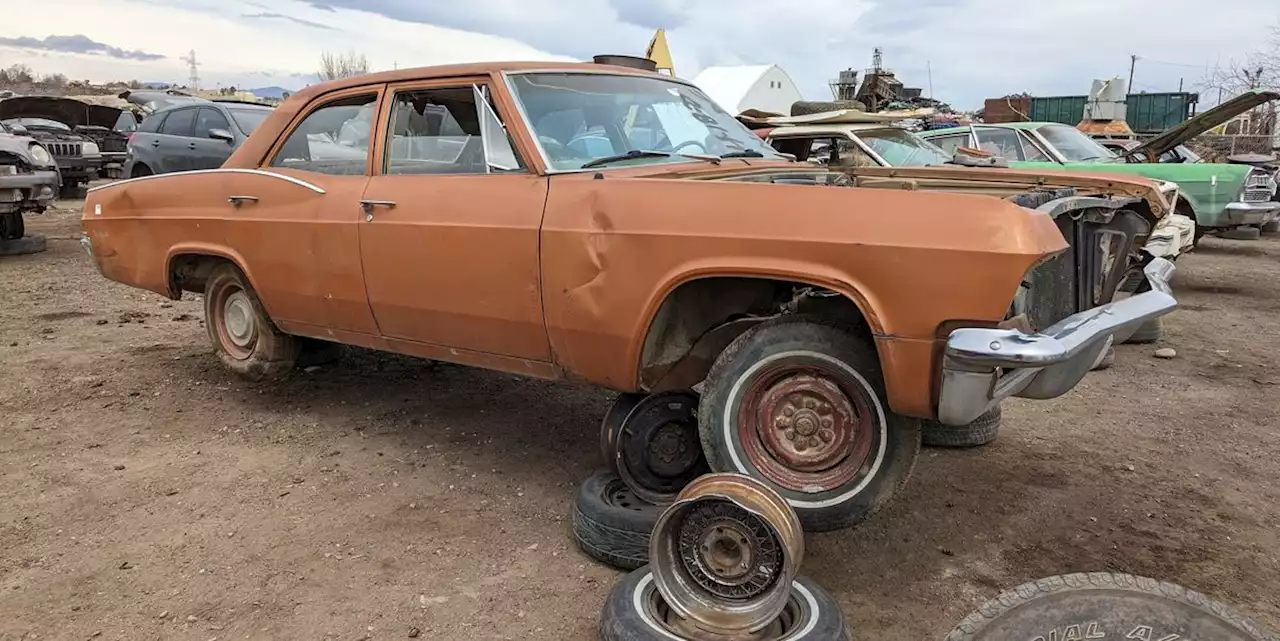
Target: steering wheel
column 686, row 143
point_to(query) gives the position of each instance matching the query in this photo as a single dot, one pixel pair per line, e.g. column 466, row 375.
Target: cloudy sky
column 976, row 48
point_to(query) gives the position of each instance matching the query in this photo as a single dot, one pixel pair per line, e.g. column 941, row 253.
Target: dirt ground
column 147, row 494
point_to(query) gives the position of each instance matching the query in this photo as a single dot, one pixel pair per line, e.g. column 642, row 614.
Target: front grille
column 63, row 149
column 1259, row 187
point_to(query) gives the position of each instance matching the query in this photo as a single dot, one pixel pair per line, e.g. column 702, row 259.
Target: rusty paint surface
column 561, row 276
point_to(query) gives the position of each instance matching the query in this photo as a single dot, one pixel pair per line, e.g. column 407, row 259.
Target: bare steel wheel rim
column 806, row 426
column 725, row 553
column 235, row 321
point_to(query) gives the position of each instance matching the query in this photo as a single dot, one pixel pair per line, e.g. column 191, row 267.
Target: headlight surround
column 41, row 155
column 89, row 149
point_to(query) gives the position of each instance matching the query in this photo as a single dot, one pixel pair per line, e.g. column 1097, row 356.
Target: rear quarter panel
column 612, row 249
column 137, row 226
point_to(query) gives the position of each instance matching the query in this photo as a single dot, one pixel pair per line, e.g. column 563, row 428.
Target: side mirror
column 19, row 130
column 221, row 134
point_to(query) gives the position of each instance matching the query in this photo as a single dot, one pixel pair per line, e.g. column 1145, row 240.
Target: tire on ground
column 266, row 352
column 13, row 226
column 1148, row 332
column 1105, row 605
column 981, row 431
column 610, row 524
column 884, row 446
column 634, row 611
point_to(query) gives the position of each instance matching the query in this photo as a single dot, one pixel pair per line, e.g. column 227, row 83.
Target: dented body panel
column 564, row 274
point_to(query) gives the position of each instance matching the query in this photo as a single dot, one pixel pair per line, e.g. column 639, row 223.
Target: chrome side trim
column 259, row 172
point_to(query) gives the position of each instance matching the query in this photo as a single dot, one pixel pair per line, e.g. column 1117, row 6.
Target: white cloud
column 248, row 43
column 976, row 48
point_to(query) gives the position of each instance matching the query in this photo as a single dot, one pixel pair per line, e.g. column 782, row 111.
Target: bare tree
column 18, row 74
column 54, row 80
column 342, row 65
column 1258, row 69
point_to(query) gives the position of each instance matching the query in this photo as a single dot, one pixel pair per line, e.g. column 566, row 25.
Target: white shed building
column 737, row 89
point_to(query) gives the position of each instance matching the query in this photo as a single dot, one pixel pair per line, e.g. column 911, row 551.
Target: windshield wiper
column 745, row 153
column 643, row 153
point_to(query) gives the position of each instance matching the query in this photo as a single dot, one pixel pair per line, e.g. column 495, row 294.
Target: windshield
column 37, row 123
column 1074, row 145
column 901, row 148
column 249, row 119
column 579, row 118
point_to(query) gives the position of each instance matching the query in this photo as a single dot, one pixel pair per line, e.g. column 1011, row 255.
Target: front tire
column 243, row 335
column 799, row 403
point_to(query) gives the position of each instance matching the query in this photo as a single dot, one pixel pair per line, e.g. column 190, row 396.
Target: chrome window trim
column 259, row 172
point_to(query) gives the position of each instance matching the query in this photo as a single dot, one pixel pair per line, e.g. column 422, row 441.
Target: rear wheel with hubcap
column 798, row 402
column 243, row 335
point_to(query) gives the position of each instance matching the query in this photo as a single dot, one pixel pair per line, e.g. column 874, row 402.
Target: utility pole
column 1179, row 85
column 929, row 65
column 1133, row 62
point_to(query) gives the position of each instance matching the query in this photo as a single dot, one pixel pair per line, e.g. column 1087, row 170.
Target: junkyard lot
column 387, row 494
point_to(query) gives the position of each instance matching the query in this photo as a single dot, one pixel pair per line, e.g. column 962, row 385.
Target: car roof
column 827, row 129
column 1009, row 125
column 468, row 69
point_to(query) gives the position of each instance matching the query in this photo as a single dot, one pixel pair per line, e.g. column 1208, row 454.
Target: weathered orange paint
column 561, row 275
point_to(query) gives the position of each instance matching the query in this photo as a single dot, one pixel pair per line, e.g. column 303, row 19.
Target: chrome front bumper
column 1251, row 213
column 982, row 367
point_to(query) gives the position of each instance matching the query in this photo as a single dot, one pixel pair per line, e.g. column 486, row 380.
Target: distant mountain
column 272, row 92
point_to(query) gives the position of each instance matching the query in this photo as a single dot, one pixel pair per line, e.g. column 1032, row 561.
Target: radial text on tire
column 799, row 403
column 243, row 336
column 634, row 611
column 1103, row 605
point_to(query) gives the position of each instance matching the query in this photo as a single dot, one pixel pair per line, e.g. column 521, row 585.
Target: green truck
column 1219, row 196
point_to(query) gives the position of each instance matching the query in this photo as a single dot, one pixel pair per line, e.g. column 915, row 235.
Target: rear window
column 249, row 119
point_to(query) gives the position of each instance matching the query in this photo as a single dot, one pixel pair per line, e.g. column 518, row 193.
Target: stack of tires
column 651, row 449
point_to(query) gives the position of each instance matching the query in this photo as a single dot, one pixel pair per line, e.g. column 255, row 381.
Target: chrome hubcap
column 238, row 318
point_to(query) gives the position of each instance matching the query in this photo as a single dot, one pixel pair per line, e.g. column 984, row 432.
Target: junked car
column 854, row 140
column 28, row 182
column 1218, row 196
column 474, row 224
column 188, row 135
column 66, row 128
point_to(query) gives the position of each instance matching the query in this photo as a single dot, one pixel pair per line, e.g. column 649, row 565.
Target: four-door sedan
column 615, row 226
column 193, row 134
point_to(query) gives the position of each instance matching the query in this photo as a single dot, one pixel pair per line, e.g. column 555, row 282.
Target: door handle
column 240, row 200
column 191, row 146
column 155, row 143
column 368, row 205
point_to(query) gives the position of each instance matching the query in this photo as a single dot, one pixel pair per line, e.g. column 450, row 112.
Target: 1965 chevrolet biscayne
column 615, row 226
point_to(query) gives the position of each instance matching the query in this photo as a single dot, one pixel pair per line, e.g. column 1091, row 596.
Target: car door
column 209, row 152
column 450, row 239
column 171, row 142
column 297, row 223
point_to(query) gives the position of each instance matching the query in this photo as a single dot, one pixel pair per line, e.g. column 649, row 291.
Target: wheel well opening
column 700, row 318
column 188, row 272
column 140, row 169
